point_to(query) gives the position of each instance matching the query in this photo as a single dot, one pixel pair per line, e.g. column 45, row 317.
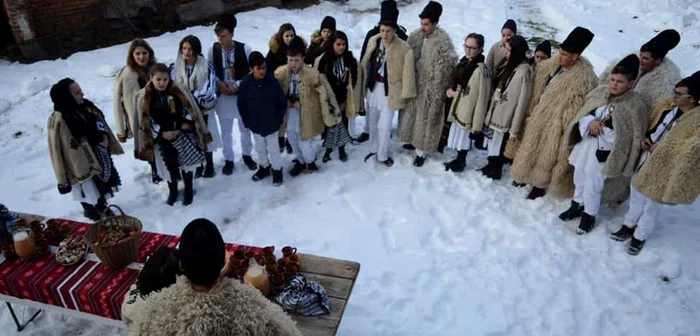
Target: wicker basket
column 124, row 252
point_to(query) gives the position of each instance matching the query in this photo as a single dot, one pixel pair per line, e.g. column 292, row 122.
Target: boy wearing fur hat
column 390, row 79
column 658, row 73
column 605, row 137
column 216, row 304
column 561, row 84
column 310, row 102
column 229, row 59
column 667, row 166
column 387, row 6
column 262, row 105
column 421, row 122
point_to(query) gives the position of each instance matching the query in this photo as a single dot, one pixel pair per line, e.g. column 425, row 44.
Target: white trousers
column 458, row 138
column 227, row 111
column 351, row 127
column 379, row 118
column 643, row 213
column 303, row 150
column 589, row 190
column 495, row 143
column 213, row 127
column 268, row 149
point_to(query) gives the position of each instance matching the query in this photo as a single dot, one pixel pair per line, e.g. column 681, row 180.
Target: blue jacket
column 262, row 104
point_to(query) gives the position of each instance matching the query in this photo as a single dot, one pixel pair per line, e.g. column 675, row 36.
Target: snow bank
column 33, row 85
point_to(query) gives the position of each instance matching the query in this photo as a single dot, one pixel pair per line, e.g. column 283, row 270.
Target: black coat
column 262, row 104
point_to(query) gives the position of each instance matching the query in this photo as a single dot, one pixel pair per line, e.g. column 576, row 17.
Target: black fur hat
column 662, row 43
column 545, row 47
column 578, row 40
column 389, row 15
column 630, row 64
column 432, row 11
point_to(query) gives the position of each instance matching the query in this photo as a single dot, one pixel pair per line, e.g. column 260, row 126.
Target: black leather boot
column 574, row 211
column 209, row 171
column 187, row 178
column 90, row 212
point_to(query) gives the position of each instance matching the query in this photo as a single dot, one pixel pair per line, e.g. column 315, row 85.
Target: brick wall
column 52, row 17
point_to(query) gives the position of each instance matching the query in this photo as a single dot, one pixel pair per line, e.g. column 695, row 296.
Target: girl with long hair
column 192, row 72
column 509, row 104
column 343, row 73
column 172, row 134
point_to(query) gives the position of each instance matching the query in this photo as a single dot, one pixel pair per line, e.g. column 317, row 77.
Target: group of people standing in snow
column 564, row 131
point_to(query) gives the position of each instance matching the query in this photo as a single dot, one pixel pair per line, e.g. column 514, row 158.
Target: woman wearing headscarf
column 509, row 103
column 342, row 71
column 81, row 145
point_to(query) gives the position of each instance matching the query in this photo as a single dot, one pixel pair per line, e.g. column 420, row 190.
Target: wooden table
column 337, row 277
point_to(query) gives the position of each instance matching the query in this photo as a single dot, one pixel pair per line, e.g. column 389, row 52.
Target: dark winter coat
column 315, row 48
column 277, row 55
column 262, row 104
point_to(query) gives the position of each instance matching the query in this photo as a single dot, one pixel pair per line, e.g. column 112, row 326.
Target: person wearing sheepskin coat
column 191, row 71
column 129, row 80
column 470, row 101
column 508, row 105
column 204, row 302
column 421, row 122
column 667, row 166
column 81, row 146
column 172, row 132
column 276, row 57
column 561, row 84
column 496, row 58
column 344, row 75
column 658, row 73
column 386, row 5
column 311, row 106
column 605, row 137
column 390, row 79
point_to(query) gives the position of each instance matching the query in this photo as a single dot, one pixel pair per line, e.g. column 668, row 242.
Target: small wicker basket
column 118, row 255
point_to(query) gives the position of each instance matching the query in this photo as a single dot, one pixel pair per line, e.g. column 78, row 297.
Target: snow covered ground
column 441, row 254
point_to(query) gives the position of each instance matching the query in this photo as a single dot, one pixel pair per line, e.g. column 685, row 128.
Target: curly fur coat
column 630, row 118
column 655, row 85
column 230, row 308
column 670, row 174
column 421, row 122
column 319, row 107
column 541, row 160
